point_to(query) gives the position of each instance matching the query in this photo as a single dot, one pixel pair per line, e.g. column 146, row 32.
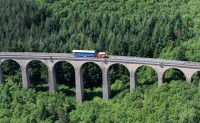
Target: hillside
column 174, row 102
column 136, row 28
column 168, row 29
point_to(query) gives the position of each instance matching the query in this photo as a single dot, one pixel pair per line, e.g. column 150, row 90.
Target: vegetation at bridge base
column 176, row 101
column 18, row 105
column 168, row 29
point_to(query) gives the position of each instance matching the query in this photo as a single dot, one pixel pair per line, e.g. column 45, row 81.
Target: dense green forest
column 136, row 28
column 168, row 29
column 177, row 101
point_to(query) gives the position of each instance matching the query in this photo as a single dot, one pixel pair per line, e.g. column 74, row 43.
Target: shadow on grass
column 68, row 92
column 60, row 88
column 115, row 92
column 146, row 84
column 41, row 88
column 89, row 94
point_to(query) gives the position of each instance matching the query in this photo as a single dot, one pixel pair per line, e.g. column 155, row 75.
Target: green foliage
column 118, row 85
column 174, row 74
column 92, row 75
column 188, row 51
column 196, row 78
column 87, row 112
column 147, row 28
column 119, row 72
column 177, row 101
column 65, row 74
column 146, row 75
column 92, row 93
column 38, row 73
column 174, row 102
column 139, row 28
column 21, row 105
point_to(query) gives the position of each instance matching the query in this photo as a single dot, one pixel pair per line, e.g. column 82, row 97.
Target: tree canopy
column 168, row 29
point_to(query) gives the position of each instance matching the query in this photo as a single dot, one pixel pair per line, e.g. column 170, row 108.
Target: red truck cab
column 102, row 55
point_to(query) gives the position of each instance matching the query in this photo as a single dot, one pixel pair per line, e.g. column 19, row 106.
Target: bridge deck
column 41, row 55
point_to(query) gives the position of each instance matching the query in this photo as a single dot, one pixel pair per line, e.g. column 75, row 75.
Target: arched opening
column 173, row 74
column 65, row 77
column 146, row 75
column 119, row 79
column 38, row 73
column 92, row 79
column 11, row 72
column 196, row 78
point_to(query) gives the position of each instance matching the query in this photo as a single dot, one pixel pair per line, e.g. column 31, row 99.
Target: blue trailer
column 84, row 53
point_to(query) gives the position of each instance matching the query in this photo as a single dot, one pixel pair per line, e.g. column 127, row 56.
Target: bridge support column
column 133, row 80
column 188, row 78
column 79, row 85
column 1, row 75
column 160, row 78
column 25, row 77
column 106, row 84
column 52, row 79
column 188, row 74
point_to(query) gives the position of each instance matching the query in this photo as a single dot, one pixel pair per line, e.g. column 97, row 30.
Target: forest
column 166, row 29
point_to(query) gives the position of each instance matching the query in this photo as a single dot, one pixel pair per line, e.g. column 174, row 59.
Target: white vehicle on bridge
column 89, row 53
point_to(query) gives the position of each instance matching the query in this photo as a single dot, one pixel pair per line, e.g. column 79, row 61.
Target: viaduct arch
column 131, row 63
column 147, row 66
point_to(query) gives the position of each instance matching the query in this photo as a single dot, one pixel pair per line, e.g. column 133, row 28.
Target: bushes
column 174, row 102
column 177, row 101
column 21, row 105
column 135, row 28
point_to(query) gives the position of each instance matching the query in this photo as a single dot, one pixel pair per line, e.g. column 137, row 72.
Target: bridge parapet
column 153, row 60
column 156, row 61
column 36, row 54
column 41, row 55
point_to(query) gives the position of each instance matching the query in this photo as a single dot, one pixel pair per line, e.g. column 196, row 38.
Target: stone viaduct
column 131, row 63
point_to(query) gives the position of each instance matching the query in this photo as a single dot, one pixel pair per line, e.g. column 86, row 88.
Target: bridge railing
column 111, row 57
